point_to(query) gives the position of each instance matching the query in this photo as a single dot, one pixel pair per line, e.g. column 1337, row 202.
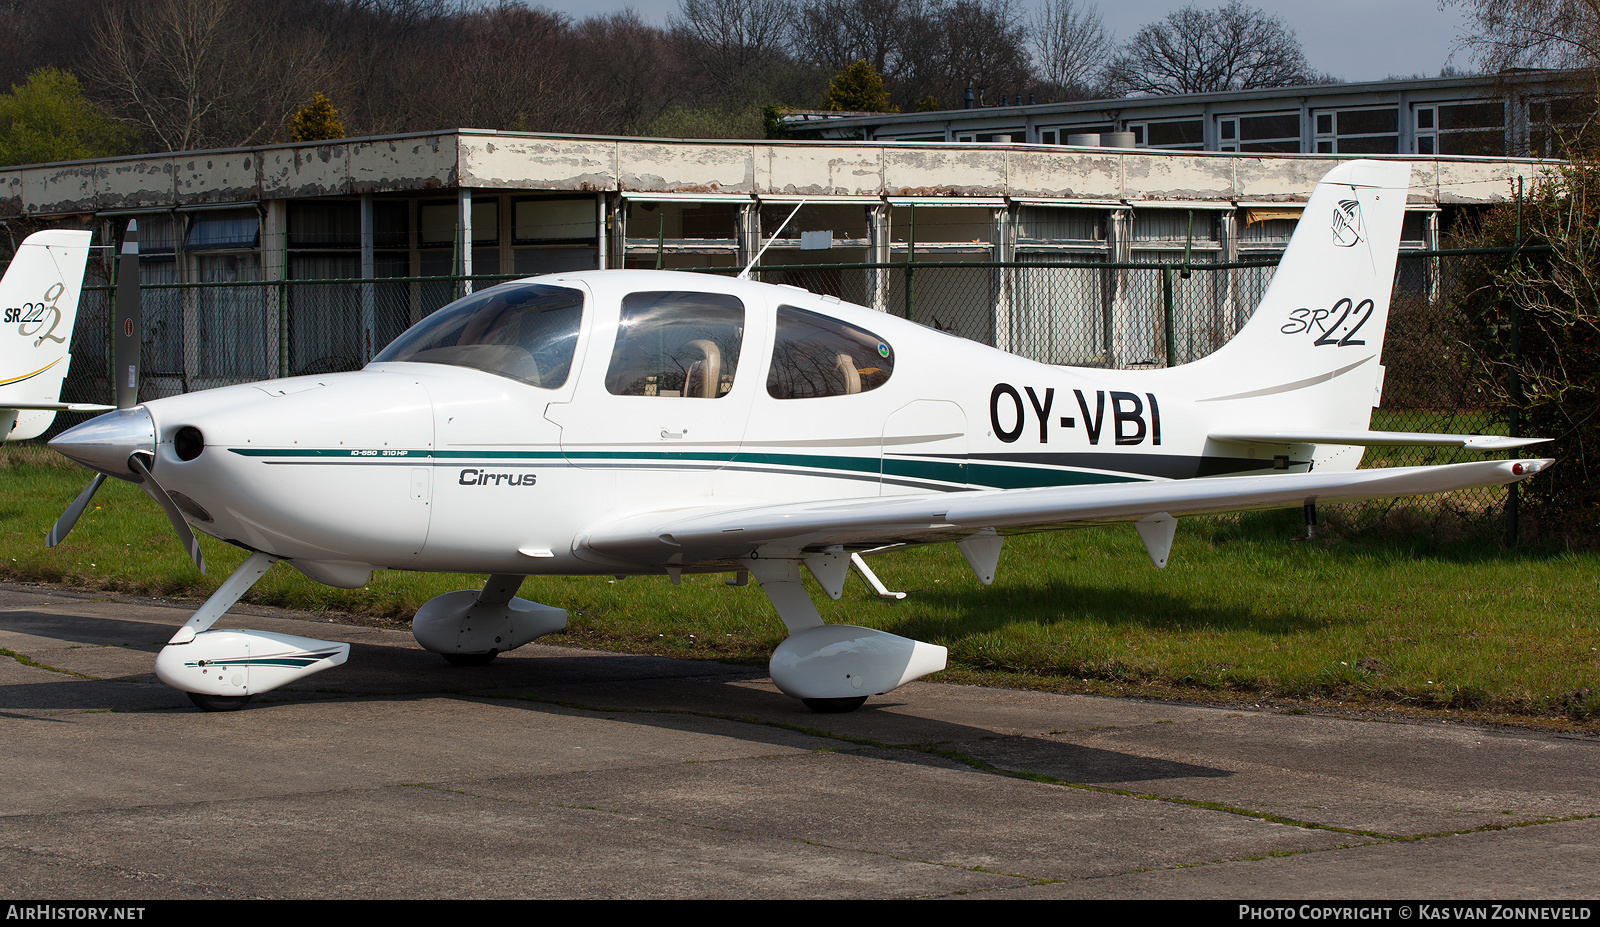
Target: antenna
column 745, row 274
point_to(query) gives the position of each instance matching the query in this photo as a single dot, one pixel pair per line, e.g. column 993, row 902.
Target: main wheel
column 834, row 706
column 470, row 659
column 218, row 702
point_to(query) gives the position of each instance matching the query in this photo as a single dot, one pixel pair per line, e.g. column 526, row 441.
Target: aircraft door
column 675, row 393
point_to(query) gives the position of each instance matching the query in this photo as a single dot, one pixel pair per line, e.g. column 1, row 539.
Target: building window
column 687, row 233
column 1172, row 134
column 163, row 306
column 1278, row 132
column 553, row 235
column 1370, row 130
column 1058, row 135
column 1203, row 304
column 1059, row 314
column 1556, row 123
column 1469, row 128
column 223, row 230
column 1003, row 136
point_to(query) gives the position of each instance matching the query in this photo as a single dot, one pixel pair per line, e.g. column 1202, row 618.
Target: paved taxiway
column 571, row 773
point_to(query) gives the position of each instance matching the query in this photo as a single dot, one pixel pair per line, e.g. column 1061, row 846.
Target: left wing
column 708, row 535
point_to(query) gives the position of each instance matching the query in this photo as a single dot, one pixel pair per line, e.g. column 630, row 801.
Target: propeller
column 121, row 443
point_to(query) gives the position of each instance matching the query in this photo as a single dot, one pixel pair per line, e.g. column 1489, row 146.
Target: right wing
column 722, row 535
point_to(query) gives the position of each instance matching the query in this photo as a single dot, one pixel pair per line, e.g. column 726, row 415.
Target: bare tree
column 1533, row 33
column 835, row 34
column 190, row 74
column 386, row 53
column 727, row 38
column 957, row 44
column 511, row 67
column 1194, row 50
column 1070, row 48
column 634, row 68
column 42, row 33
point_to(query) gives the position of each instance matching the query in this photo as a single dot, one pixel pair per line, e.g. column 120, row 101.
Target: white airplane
column 39, row 296
column 648, row 422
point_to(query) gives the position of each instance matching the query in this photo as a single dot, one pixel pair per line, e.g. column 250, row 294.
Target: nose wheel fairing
column 227, row 666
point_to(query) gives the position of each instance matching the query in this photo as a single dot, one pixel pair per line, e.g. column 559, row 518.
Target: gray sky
column 1353, row 39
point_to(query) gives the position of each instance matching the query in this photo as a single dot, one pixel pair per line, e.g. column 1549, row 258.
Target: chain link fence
column 1046, row 307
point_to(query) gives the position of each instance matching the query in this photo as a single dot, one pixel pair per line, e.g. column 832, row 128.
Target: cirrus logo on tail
column 1347, row 223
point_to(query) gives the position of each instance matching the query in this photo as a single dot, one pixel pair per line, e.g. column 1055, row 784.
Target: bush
column 1532, row 332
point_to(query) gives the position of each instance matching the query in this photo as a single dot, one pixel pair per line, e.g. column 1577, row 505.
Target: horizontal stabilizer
column 55, row 406
column 1380, row 439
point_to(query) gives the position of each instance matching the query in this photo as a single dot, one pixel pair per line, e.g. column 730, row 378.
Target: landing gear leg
column 1311, row 522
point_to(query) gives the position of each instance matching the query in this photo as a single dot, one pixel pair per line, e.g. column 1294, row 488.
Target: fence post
column 283, row 308
column 1514, row 388
column 911, row 262
column 1166, row 314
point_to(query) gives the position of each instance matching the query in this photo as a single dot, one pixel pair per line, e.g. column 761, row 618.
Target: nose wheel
column 218, row 702
column 834, row 706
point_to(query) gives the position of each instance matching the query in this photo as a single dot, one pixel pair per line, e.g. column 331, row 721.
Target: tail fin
column 1309, row 357
column 38, row 308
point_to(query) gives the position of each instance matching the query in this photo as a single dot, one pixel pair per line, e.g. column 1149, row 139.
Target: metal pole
column 283, row 304
column 1166, row 314
column 911, row 262
column 1514, row 425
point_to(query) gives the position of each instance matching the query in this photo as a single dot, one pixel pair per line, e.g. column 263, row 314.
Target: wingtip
column 1522, row 469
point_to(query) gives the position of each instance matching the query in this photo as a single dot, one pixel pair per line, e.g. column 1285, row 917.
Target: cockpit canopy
column 526, row 331
column 675, row 343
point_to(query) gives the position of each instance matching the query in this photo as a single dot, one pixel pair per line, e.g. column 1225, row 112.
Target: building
column 287, row 259
column 1525, row 113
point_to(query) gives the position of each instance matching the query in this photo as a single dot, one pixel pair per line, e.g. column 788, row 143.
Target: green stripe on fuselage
column 963, row 473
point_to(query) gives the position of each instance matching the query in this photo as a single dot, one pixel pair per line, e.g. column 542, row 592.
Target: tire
column 218, row 702
column 470, row 659
column 834, row 706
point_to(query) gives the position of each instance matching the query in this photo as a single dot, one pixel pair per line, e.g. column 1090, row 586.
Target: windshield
column 526, row 331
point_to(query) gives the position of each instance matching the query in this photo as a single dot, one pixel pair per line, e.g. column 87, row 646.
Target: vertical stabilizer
column 1309, row 356
column 38, row 308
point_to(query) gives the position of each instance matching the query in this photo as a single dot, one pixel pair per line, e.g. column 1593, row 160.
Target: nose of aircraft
column 105, row 443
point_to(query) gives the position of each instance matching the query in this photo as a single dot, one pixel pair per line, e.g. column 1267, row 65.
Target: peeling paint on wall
column 500, row 160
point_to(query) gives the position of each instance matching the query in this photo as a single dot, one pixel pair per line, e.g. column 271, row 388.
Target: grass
column 1398, row 619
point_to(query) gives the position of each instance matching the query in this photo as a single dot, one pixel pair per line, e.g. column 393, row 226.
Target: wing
column 709, row 536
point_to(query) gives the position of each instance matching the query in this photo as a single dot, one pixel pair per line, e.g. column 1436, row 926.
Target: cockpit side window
column 676, row 343
column 526, row 331
column 816, row 355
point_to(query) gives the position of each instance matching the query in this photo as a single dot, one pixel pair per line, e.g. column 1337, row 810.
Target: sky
column 1356, row 40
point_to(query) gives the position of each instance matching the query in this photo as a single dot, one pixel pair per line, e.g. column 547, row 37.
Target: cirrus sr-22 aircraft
column 649, row 422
